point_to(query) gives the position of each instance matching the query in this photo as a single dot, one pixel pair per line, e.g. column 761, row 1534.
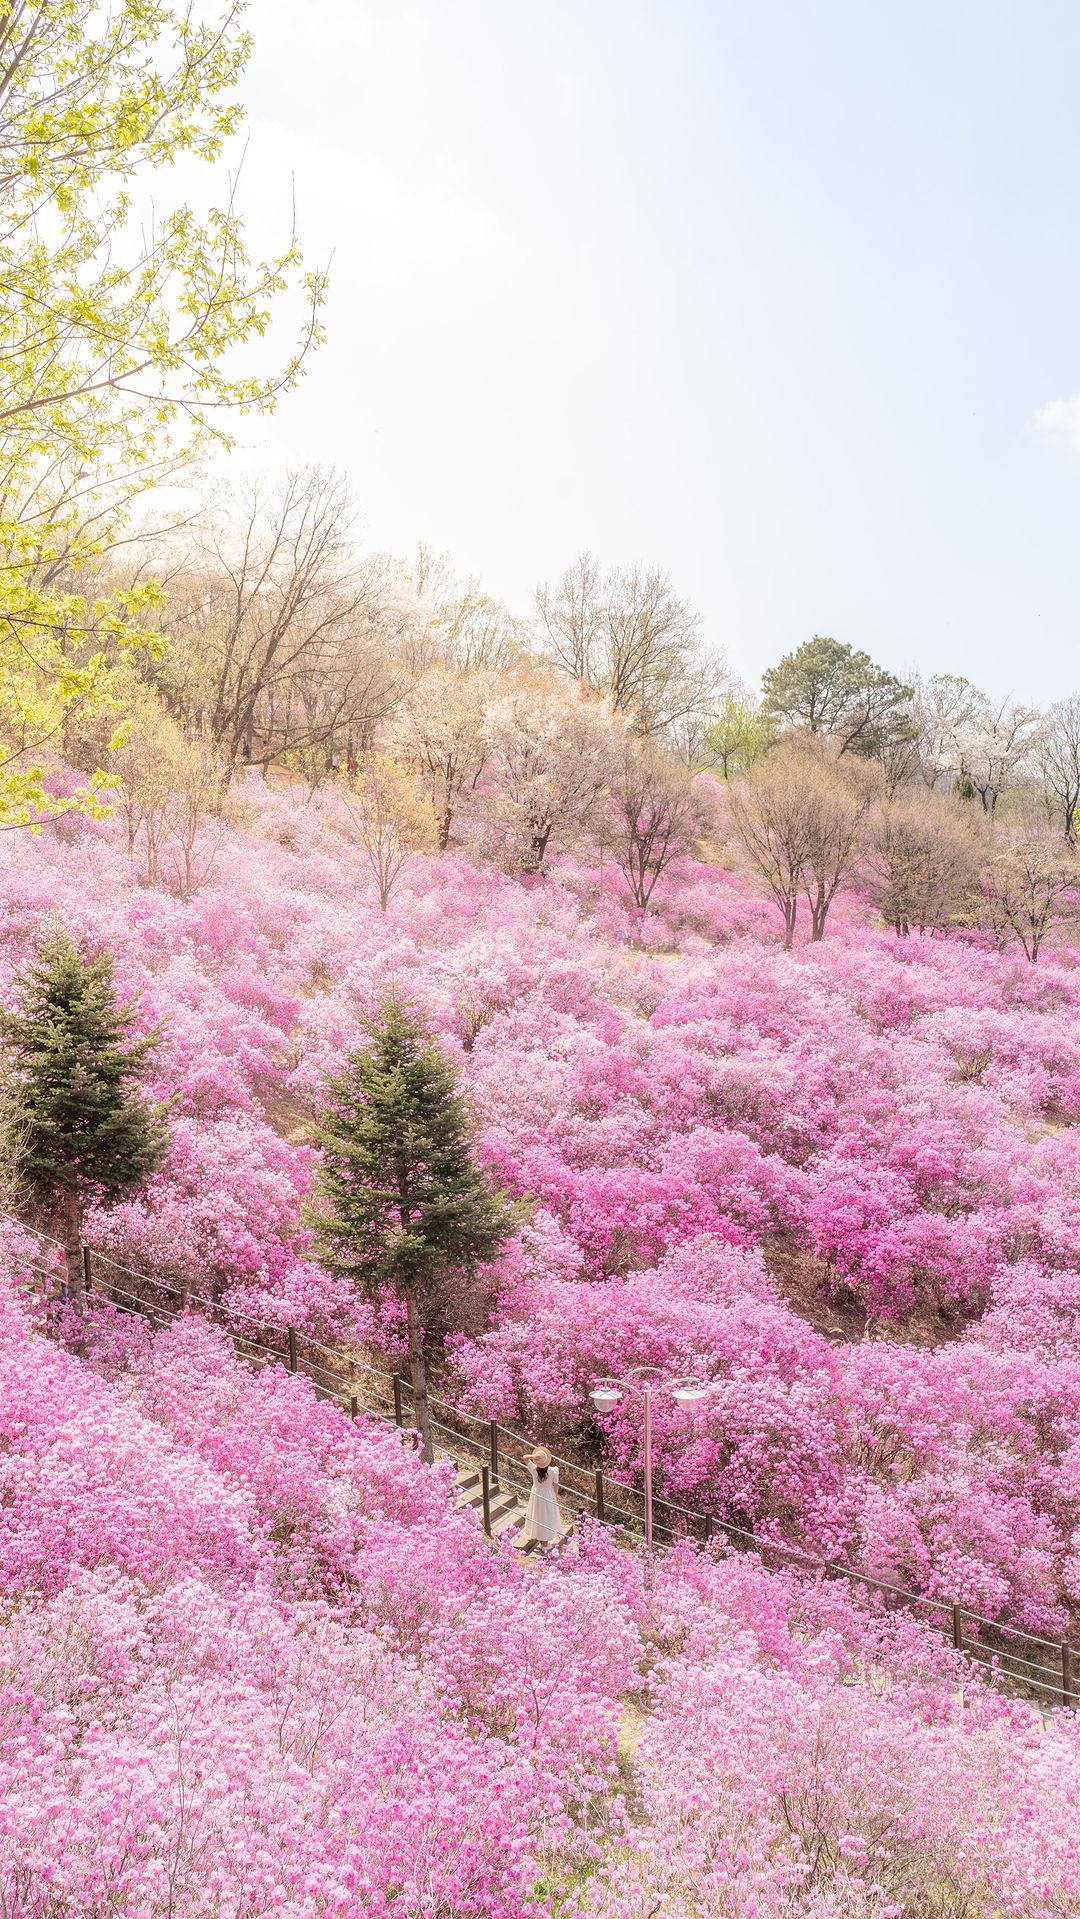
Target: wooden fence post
column 353, row 1407
column 958, row 1628
column 493, row 1441
column 708, row 1527
column 292, row 1349
column 485, row 1489
column 87, row 1275
column 399, row 1416
column 600, row 1496
column 1068, row 1693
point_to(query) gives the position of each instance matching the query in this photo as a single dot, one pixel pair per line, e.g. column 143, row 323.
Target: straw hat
column 539, row 1456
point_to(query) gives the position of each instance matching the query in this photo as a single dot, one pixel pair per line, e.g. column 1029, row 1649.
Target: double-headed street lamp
column 646, row 1383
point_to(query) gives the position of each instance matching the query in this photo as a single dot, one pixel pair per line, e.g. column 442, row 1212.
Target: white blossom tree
column 555, row 752
column 439, row 730
column 994, row 750
column 943, row 708
column 981, row 749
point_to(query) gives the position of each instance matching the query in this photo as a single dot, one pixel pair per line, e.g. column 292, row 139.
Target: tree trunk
column 791, row 907
column 73, row 1250
column 418, row 1371
column 538, row 846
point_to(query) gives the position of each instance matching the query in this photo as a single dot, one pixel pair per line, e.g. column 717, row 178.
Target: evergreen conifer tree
column 78, row 1129
column 405, row 1207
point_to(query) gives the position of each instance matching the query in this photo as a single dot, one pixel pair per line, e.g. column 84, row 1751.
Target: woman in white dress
column 542, row 1521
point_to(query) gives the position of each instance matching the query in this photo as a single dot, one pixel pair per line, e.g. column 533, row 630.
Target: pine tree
column 78, row 1129
column 405, row 1207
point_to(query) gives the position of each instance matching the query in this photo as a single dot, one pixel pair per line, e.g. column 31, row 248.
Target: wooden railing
column 1006, row 1655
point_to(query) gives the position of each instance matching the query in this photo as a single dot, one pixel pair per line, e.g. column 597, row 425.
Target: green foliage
column 741, row 734
column 78, row 1129
column 125, row 331
column 827, row 687
column 404, row 1199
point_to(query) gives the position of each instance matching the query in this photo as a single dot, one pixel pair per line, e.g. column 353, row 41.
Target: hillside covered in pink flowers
column 253, row 1664
column 839, row 1183
column 691, row 1117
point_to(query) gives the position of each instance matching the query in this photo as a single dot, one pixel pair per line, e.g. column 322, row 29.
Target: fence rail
column 359, row 1387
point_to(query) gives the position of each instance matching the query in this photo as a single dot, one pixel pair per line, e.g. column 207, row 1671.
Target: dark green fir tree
column 405, row 1207
column 78, row 1129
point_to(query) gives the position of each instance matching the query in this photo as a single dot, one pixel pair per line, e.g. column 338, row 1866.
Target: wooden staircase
column 506, row 1503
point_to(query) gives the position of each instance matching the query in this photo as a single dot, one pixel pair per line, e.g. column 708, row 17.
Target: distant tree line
column 601, row 724
column 951, row 810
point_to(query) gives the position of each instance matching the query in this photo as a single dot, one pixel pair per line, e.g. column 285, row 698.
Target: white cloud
column 1059, row 423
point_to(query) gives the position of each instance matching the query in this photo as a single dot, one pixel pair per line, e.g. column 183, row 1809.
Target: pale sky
column 784, row 297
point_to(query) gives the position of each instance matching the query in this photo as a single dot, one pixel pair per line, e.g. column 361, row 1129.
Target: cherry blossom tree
column 987, row 747
column 439, row 729
column 554, row 753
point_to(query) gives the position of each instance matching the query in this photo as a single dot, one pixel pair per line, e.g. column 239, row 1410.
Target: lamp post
column 644, row 1384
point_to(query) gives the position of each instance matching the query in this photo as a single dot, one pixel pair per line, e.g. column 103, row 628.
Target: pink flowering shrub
column 794, row 1755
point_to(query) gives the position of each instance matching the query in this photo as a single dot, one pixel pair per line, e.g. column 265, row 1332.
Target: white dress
column 542, row 1520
